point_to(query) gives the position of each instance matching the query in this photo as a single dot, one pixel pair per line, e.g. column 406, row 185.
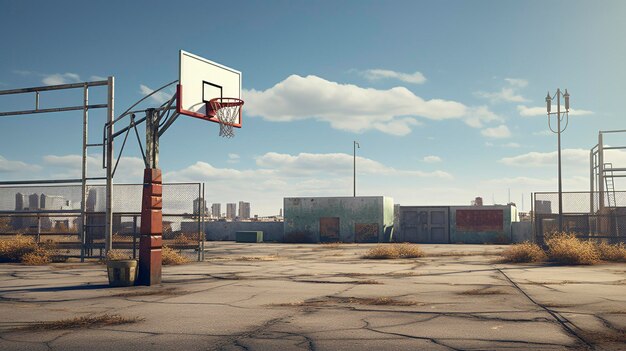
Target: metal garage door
column 427, row 225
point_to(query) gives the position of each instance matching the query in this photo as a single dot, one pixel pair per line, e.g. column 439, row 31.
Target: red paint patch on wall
column 479, row 220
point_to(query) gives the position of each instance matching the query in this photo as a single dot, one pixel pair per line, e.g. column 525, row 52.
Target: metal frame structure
column 85, row 107
column 600, row 172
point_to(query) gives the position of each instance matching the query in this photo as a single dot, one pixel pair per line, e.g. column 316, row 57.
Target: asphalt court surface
column 323, row 297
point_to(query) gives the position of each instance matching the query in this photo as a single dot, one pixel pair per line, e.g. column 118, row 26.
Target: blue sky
column 446, row 98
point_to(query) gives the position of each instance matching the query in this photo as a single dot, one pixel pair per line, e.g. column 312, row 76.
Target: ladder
column 609, row 184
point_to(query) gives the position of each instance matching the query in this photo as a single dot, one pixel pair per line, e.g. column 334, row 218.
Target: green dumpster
column 249, row 236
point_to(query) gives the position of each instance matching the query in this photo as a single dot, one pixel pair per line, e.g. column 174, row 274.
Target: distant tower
column 33, row 201
column 244, row 210
column 216, row 210
column 231, row 210
column 21, row 201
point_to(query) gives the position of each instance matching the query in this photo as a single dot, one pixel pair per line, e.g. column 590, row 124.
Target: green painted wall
column 504, row 236
column 302, row 216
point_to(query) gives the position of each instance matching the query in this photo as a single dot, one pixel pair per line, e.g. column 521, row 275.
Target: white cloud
column 96, row 78
column 542, row 159
column 130, row 169
column 277, row 175
column 543, row 133
column 541, row 111
column 378, row 74
column 432, row 159
column 233, row 158
column 578, row 157
column 273, row 165
column 512, row 145
column 517, row 82
column 506, row 94
column 477, row 116
column 60, row 78
column 158, row 97
column 529, row 185
column 347, row 107
column 499, row 132
column 8, row 166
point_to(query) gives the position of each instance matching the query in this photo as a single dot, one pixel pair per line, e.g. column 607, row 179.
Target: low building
column 457, row 224
column 361, row 219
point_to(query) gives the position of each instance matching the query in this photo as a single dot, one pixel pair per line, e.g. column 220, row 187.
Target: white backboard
column 201, row 80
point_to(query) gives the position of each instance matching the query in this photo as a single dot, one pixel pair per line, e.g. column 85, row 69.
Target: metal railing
column 31, row 210
column 582, row 215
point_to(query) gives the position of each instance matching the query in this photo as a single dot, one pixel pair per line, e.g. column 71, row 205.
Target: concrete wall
column 222, row 231
column 521, row 231
column 483, row 233
column 303, row 215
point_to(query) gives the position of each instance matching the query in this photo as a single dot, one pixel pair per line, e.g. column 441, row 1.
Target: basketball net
column 227, row 111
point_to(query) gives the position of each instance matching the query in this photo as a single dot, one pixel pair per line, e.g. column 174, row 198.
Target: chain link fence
column 585, row 214
column 52, row 214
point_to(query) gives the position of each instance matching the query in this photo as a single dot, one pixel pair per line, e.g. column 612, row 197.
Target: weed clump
column 171, row 257
column 24, row 249
column 116, row 255
column 14, row 248
column 566, row 248
column 392, row 251
column 524, row 252
column 612, row 253
column 83, row 322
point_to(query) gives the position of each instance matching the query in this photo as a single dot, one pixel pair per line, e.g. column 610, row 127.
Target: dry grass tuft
column 182, row 240
column 363, row 282
column 159, row 292
column 24, row 249
column 171, row 257
column 83, row 322
column 524, row 252
column 115, row 255
column 336, row 245
column 258, row 258
column 612, row 253
column 14, row 248
column 565, row 248
column 392, row 251
column 38, row 257
column 481, row 292
column 602, row 336
column 334, row 300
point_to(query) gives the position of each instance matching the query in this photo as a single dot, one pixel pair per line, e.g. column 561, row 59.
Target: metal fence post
column 200, row 213
column 134, row 237
column 202, row 223
column 38, row 228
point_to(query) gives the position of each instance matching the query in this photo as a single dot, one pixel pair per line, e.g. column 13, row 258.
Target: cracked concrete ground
column 324, row 297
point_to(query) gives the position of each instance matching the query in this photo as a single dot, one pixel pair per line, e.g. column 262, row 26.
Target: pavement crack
column 432, row 340
column 557, row 317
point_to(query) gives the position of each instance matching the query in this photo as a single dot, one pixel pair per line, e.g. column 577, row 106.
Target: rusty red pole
column 151, row 231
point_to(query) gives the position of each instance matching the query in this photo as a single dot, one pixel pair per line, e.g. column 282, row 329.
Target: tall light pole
column 355, row 145
column 558, row 131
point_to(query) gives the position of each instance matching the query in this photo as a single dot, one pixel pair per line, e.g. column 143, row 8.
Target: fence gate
column 427, row 225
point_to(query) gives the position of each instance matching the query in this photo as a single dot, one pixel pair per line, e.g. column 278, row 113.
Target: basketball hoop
column 227, row 111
